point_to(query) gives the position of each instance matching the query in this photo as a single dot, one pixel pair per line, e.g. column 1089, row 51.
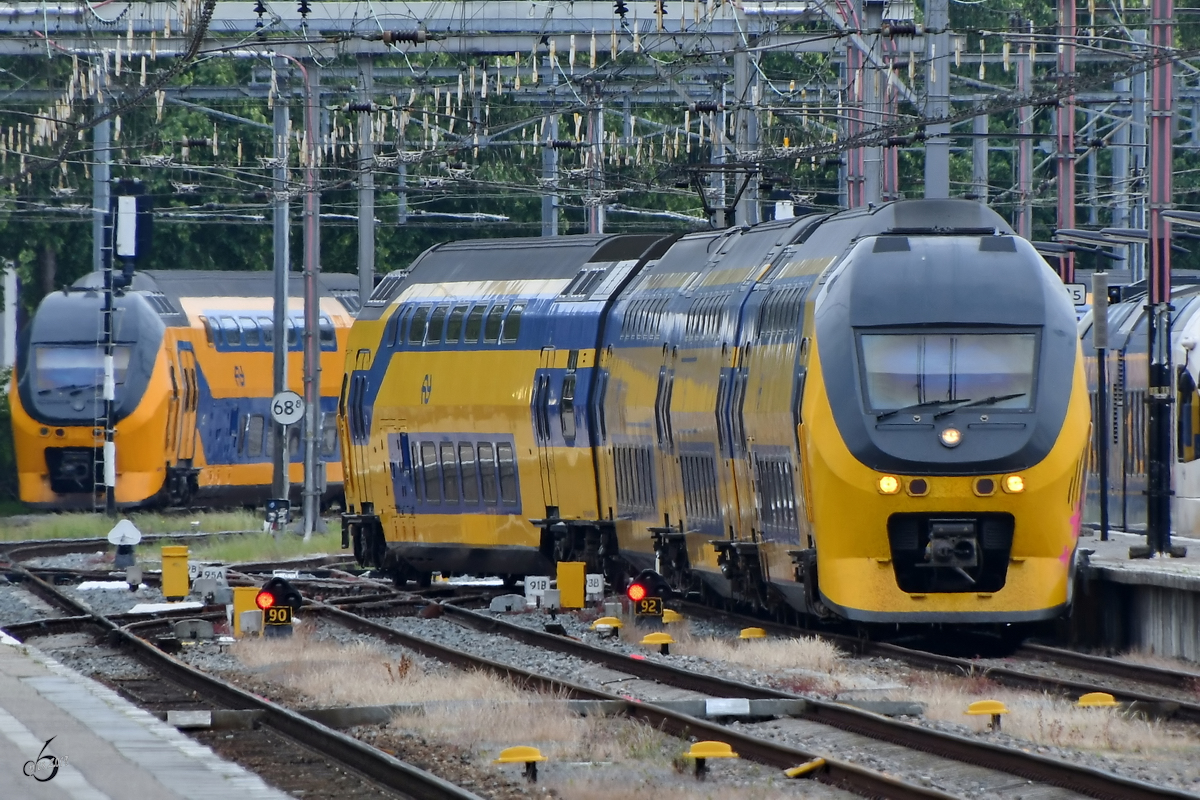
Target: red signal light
column 636, row 592
column 264, row 600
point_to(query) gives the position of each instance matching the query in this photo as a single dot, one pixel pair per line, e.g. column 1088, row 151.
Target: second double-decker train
column 879, row 414
column 193, row 374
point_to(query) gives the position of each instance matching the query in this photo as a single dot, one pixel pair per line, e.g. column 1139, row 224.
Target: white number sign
column 536, row 585
column 593, row 585
column 206, row 572
column 1078, row 292
column 287, row 408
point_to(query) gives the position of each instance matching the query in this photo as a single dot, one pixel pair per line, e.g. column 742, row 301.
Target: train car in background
column 879, row 415
column 1124, row 418
column 193, row 370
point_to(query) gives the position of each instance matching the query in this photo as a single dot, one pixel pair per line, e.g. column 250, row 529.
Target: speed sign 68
column 287, row 408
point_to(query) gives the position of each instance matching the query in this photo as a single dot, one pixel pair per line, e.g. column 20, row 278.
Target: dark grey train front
column 192, row 367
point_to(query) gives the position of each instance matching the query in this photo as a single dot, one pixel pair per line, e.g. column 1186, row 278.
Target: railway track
column 1053, row 772
column 1183, row 705
column 187, row 685
column 832, row 770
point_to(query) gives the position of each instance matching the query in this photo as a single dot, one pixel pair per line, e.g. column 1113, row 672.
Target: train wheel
column 510, row 581
column 424, row 579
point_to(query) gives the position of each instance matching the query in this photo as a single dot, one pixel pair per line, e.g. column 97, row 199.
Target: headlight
column 1014, row 484
column 950, row 437
column 889, row 484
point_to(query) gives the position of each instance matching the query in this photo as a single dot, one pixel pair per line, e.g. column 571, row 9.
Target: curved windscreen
column 73, row 368
column 986, row 369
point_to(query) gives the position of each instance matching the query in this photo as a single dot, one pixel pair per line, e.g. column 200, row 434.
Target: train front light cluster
column 1014, row 484
column 889, row 484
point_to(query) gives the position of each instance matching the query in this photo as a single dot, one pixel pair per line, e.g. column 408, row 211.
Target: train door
column 173, row 411
column 542, row 400
column 190, row 402
column 358, row 419
column 403, row 487
column 671, row 498
column 741, row 495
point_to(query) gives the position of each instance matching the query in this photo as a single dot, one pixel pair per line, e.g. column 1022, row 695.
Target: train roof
column 524, row 258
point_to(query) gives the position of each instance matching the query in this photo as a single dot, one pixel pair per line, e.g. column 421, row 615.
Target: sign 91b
column 278, row 615
column 648, row 607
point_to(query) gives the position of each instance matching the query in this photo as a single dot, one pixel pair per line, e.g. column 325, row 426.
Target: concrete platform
column 107, row 748
column 1139, row 604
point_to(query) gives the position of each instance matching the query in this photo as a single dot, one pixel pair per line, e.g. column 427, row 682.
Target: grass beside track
column 82, row 525
column 265, row 547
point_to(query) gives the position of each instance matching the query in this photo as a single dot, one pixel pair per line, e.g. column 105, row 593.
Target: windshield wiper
column 70, row 387
column 987, row 401
column 915, row 406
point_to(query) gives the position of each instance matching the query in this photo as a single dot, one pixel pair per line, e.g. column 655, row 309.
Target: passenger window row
column 780, row 312
column 460, row 324
column 704, row 318
column 252, row 443
column 256, row 332
column 472, row 473
column 643, row 318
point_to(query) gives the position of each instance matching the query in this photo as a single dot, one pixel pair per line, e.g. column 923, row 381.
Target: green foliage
column 8, row 451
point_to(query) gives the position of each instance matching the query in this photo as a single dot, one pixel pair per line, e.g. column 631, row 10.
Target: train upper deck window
column 491, row 329
column 437, row 321
column 250, row 331
column 906, row 369
column 401, row 327
column 416, row 330
column 233, row 334
column 329, row 437
column 454, row 324
column 210, row 330
column 474, row 325
column 328, row 335
column 487, row 472
column 268, row 331
column 512, row 324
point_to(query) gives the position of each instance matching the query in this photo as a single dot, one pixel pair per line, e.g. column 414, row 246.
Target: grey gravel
column 18, row 604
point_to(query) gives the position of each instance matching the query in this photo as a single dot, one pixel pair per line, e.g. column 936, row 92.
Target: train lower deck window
column 293, row 334
column 470, row 480
column 487, row 472
column 508, row 473
column 255, row 424
column 449, row 473
column 429, row 472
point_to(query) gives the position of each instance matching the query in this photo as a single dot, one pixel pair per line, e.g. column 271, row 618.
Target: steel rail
column 1032, row 766
column 1115, row 667
column 36, row 548
column 835, row 772
column 361, row 758
column 1006, row 676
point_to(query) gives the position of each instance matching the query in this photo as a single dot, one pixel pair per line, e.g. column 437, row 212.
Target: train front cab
column 945, row 464
column 57, row 403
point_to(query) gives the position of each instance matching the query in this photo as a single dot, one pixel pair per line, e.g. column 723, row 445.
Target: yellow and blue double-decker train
column 878, row 414
column 193, row 373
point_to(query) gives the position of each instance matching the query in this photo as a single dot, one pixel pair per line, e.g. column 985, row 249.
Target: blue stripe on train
column 219, row 420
